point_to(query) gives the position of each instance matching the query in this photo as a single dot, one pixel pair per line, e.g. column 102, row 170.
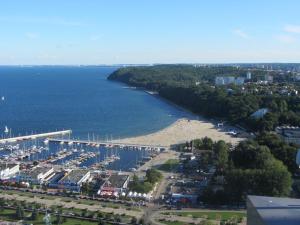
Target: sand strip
column 181, row 131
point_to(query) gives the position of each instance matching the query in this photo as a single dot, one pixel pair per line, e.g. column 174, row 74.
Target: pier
column 108, row 144
column 34, row 136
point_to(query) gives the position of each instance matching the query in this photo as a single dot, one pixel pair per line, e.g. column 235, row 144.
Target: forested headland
column 193, row 88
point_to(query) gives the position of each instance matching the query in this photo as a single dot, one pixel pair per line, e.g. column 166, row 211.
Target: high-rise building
column 263, row 210
column 248, row 76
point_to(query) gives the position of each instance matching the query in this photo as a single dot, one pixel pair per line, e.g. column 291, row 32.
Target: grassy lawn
column 169, row 165
column 172, row 222
column 65, row 199
column 9, row 215
column 212, row 215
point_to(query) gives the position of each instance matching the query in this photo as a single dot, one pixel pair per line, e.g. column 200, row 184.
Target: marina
column 70, row 153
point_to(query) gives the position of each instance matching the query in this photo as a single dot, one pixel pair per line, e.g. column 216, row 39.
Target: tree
column 59, row 219
column 100, row 215
column 141, row 221
column 34, row 214
column 20, row 212
column 133, row 220
column 207, row 143
column 2, row 204
column 84, row 212
column 100, row 222
column 153, row 175
column 117, row 218
column 221, row 151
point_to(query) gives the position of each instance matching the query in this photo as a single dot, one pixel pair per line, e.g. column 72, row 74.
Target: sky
column 70, row 32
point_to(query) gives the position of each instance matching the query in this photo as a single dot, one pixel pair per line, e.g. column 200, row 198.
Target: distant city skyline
column 145, row 32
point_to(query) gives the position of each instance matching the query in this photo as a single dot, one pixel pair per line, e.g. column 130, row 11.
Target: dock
column 34, row 136
column 108, row 144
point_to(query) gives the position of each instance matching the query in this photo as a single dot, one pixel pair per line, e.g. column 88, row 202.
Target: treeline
column 147, row 184
column 155, row 77
column 190, row 87
column 250, row 168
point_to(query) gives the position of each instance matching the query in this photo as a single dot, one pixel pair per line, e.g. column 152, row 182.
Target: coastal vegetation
column 193, row 88
column 169, row 165
column 262, row 166
column 147, row 184
column 249, row 168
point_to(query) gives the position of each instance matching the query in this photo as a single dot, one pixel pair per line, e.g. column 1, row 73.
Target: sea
column 36, row 99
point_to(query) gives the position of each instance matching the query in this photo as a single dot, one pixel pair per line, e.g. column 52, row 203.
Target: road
column 161, row 188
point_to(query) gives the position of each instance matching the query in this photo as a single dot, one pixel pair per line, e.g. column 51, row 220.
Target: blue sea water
column 48, row 98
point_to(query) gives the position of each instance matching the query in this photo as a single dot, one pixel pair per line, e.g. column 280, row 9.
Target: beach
column 181, row 131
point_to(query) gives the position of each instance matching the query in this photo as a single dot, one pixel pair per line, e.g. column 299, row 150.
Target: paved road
column 154, row 208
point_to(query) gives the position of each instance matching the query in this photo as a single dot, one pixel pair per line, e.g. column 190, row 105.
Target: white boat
column 6, row 130
column 3, row 98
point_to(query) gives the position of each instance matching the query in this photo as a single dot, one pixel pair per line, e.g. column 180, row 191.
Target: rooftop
column 75, row 176
column 277, row 211
column 4, row 166
column 117, row 180
column 36, row 171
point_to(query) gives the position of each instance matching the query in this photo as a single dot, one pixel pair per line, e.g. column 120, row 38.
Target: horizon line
column 149, row 64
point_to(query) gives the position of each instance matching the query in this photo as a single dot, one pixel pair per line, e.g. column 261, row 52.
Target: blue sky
column 153, row 31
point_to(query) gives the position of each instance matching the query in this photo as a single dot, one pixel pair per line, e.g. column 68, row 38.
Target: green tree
column 133, row 220
column 59, row 219
column 20, row 212
column 221, row 151
column 2, row 204
column 34, row 214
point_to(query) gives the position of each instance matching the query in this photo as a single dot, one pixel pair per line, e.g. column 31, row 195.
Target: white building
column 8, row 170
column 248, row 75
column 229, row 80
column 74, row 179
column 37, row 175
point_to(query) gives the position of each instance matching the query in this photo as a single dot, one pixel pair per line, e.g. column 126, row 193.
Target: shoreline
column 189, row 127
column 180, row 131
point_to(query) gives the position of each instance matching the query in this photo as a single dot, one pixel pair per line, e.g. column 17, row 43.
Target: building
column 219, row 81
column 74, row 179
column 239, row 80
column 268, row 78
column 114, row 185
column 289, row 134
column 184, row 192
column 229, row 80
column 53, row 182
column 8, row 170
column 37, row 175
column 263, row 210
column 248, row 75
column 260, row 113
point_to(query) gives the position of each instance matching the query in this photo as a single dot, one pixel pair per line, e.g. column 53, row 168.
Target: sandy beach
column 180, row 131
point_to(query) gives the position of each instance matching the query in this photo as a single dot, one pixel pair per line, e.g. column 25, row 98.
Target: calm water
column 42, row 99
